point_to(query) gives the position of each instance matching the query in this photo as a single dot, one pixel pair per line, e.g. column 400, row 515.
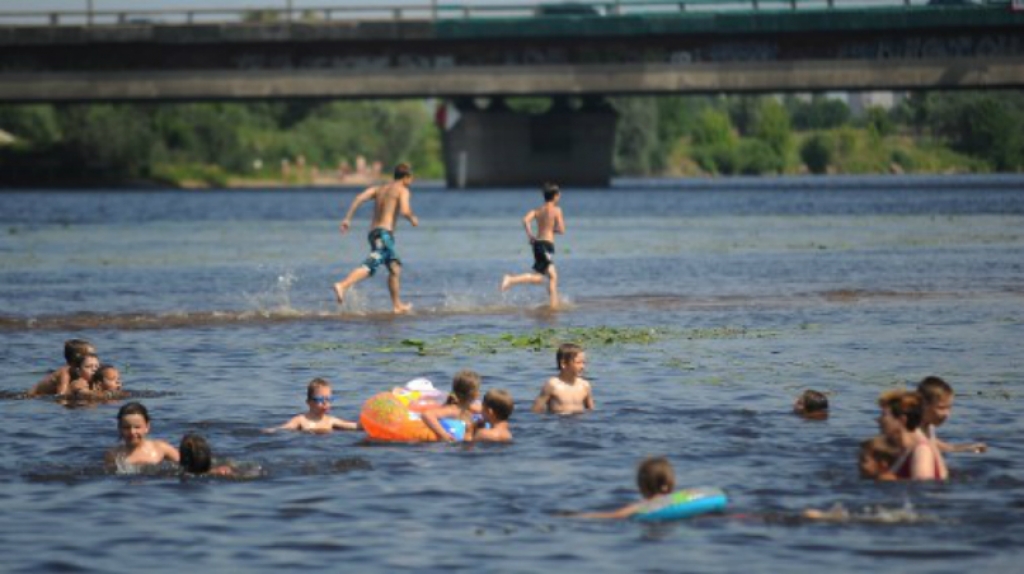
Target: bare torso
column 549, row 221
column 565, row 398
column 388, row 201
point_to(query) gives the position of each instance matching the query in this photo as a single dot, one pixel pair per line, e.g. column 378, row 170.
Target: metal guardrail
column 284, row 11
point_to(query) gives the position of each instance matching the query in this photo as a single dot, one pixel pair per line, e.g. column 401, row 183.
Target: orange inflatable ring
column 386, row 418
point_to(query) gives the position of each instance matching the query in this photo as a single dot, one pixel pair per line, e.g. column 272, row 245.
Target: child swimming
column 196, row 457
column 938, row 405
column 133, row 425
column 900, row 422
column 569, row 392
column 59, row 380
column 497, row 408
column 318, row 418
column 812, row 405
column 465, row 390
column 655, row 477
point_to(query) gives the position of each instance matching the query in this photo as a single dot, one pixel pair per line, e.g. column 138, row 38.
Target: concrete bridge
column 462, row 52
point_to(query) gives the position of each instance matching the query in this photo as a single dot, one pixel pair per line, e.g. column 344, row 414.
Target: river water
column 705, row 308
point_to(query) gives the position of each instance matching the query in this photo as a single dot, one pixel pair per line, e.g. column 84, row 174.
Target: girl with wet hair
column 900, row 421
column 196, row 457
column 133, row 426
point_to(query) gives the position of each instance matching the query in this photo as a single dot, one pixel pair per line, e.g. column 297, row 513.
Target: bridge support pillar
column 499, row 147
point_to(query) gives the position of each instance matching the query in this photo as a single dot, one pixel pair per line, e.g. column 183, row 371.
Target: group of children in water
column 907, row 446
column 82, row 379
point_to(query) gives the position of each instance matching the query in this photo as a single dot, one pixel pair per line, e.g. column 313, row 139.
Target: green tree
column 816, row 153
column 771, row 126
column 36, row 124
column 636, row 139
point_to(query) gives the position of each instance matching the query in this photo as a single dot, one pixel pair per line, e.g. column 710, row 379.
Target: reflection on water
column 705, row 309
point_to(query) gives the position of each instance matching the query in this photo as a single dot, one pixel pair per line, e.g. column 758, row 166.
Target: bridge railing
column 284, row 11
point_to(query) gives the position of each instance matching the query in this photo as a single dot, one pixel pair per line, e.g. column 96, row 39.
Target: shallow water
column 705, row 309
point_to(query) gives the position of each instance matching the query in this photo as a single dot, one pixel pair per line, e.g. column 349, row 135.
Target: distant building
column 859, row 102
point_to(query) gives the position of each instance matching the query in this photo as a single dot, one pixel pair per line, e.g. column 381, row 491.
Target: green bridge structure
column 577, row 53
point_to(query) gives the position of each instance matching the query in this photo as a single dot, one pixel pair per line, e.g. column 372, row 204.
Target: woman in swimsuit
column 900, row 422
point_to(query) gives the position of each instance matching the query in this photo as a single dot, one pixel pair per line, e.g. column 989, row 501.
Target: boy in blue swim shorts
column 549, row 221
column 390, row 201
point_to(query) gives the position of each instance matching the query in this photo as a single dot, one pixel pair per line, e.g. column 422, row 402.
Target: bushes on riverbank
column 303, row 142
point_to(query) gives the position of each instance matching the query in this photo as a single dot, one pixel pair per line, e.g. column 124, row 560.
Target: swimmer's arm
column 406, row 209
column 170, row 453
column 543, row 401
column 624, row 512
column 977, row 447
column 559, row 223
column 63, row 381
column 431, row 419
column 528, row 224
column 367, row 194
column 588, row 401
column 342, row 424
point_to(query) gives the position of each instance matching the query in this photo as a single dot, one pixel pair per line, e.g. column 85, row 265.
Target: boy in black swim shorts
column 549, row 221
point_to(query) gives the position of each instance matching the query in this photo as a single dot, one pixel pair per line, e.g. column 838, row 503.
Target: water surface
column 705, row 308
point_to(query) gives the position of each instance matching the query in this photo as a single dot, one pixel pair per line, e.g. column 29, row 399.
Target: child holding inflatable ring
column 465, row 390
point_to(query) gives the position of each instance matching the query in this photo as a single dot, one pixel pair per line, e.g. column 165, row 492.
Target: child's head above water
column 938, row 399
column 465, row 387
column 500, row 402
column 905, row 407
column 73, row 348
column 108, row 379
column 196, row 457
column 567, row 355
column 876, row 457
column 318, row 395
column 85, row 366
column 655, row 477
column 811, row 404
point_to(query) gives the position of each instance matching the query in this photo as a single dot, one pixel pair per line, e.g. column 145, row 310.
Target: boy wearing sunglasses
column 318, row 418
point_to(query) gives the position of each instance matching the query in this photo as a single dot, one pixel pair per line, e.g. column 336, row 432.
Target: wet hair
column 904, row 404
column 814, row 402
column 499, row 401
column 132, row 408
column 315, row 385
column 880, row 451
column 196, row 457
column 402, row 171
column 97, row 377
column 550, row 190
column 933, row 389
column 76, row 366
column 75, row 347
column 465, row 388
column 655, row 476
column 567, row 352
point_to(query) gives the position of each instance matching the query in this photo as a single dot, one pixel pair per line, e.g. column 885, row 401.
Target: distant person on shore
column 318, row 418
column 390, row 201
column 812, row 405
column 569, row 392
column 497, row 409
column 938, row 404
column 654, row 477
column 137, row 450
column 549, row 221
column 58, row 381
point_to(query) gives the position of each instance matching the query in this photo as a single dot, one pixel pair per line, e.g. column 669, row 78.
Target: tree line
column 217, row 143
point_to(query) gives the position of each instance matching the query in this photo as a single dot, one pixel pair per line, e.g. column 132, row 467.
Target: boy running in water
column 549, row 222
column 390, row 201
